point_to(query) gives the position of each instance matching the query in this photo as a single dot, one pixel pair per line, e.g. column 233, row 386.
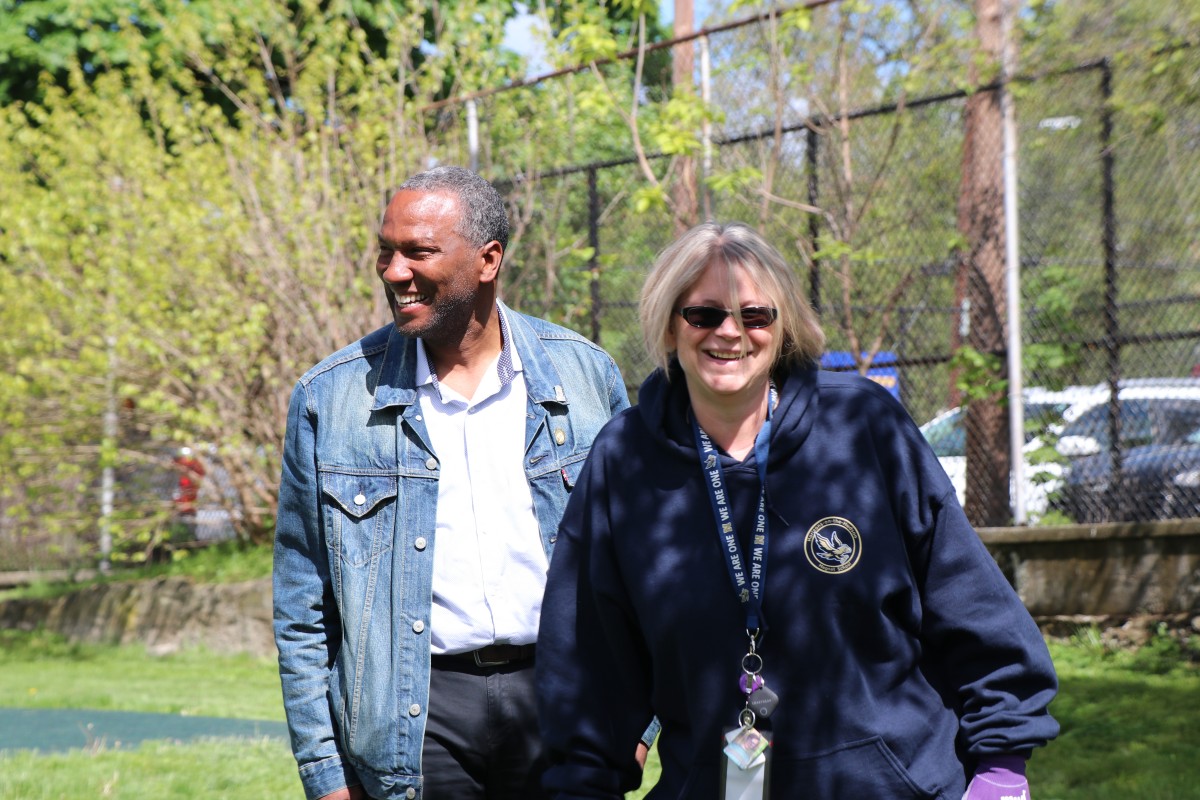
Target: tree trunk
column 683, row 191
column 981, row 220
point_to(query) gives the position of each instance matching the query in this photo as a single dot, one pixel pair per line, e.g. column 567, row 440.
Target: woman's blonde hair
column 736, row 246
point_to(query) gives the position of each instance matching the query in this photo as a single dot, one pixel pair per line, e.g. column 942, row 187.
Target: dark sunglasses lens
column 704, row 316
column 757, row 317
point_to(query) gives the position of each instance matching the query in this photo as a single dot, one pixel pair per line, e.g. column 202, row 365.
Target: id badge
column 753, row 782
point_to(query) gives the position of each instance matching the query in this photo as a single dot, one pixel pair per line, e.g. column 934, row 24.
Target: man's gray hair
column 484, row 217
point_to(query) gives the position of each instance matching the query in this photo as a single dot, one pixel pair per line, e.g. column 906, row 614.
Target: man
column 425, row 471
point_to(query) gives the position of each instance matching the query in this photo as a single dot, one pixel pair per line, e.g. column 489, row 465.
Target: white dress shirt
column 489, row 566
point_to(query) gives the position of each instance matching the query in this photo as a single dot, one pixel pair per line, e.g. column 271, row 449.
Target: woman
column 762, row 551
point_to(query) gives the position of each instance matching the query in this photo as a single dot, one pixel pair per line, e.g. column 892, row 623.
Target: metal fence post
column 473, row 135
column 1114, row 502
column 1012, row 274
column 706, row 124
column 814, row 229
column 594, row 243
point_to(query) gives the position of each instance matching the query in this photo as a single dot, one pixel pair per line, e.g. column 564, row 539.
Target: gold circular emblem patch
column 833, row 545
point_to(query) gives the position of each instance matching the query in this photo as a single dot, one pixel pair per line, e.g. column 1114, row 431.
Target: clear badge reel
column 746, row 767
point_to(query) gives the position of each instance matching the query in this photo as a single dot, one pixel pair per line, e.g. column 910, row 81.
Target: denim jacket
column 353, row 571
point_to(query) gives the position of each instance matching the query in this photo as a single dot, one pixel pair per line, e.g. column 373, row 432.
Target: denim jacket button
column 418, row 626
column 559, row 436
column 419, row 543
column 414, row 710
column 431, row 463
column 410, row 793
column 359, row 499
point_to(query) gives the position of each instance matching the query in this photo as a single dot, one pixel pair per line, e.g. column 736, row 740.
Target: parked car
column 1159, row 460
column 1046, row 411
column 1148, row 415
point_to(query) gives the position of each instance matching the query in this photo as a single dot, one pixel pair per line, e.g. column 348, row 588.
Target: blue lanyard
column 749, row 589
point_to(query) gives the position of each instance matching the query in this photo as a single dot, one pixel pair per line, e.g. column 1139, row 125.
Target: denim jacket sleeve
column 307, row 626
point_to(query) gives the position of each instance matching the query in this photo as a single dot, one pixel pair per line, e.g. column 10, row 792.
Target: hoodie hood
column 665, row 409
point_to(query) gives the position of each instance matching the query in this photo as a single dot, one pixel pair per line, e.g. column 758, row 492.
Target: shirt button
column 418, row 626
column 418, row 420
column 410, row 793
column 431, row 463
column 414, row 710
column 359, row 499
column 419, row 543
column 559, row 436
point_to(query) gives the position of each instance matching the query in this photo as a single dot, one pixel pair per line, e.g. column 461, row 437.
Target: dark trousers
column 481, row 738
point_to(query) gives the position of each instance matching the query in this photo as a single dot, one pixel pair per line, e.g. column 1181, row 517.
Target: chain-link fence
column 906, row 270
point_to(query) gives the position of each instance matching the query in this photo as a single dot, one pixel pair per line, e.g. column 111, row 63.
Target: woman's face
column 721, row 367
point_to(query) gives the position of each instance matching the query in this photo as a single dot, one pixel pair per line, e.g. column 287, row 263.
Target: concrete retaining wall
column 1119, row 569
column 1076, row 572
column 163, row 614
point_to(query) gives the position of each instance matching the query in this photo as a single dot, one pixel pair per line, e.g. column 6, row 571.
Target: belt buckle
column 479, row 662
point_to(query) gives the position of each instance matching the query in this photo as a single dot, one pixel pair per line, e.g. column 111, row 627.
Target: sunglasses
column 709, row 317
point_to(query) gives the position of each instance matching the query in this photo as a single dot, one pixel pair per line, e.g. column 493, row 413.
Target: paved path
column 58, row 729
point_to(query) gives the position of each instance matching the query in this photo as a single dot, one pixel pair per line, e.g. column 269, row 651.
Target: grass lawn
column 1131, row 729
column 1130, row 726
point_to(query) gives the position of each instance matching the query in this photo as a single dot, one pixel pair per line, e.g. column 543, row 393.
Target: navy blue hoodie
column 899, row 652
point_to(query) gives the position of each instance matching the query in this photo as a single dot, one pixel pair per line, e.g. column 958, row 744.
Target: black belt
column 494, row 655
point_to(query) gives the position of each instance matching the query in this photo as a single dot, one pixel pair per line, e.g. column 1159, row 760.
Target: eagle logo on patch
column 833, row 545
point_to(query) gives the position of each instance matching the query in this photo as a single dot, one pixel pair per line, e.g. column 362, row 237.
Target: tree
column 981, row 273
column 215, row 200
column 205, row 259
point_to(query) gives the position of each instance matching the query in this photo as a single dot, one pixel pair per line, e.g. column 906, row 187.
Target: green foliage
column 188, row 196
column 226, row 562
column 183, row 260
column 676, row 130
column 1164, row 653
column 51, row 38
column 978, row 374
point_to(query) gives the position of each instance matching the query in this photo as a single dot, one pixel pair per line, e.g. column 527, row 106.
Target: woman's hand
column 999, row 778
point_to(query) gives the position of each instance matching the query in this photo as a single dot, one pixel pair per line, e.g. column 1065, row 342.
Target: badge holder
column 751, row 748
column 745, row 770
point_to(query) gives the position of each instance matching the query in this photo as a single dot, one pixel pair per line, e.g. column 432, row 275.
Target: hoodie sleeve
column 981, row 647
column 593, row 668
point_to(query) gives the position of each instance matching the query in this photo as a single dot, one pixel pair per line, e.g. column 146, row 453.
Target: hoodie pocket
column 360, row 511
column 862, row 769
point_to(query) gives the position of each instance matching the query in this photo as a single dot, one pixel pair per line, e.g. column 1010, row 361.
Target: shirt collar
column 507, row 365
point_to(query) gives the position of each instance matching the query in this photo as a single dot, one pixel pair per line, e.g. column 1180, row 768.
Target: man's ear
column 490, row 257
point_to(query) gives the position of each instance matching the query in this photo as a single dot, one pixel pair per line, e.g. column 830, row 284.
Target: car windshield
column 1143, row 422
column 948, row 436
column 1193, row 437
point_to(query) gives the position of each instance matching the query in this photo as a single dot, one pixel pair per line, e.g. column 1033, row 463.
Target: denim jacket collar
column 398, row 375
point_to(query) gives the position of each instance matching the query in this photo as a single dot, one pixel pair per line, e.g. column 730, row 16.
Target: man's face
column 431, row 274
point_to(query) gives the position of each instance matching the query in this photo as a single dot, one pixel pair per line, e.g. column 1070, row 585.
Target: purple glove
column 999, row 778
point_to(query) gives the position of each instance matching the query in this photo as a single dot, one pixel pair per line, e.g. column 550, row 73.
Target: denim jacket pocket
column 360, row 511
